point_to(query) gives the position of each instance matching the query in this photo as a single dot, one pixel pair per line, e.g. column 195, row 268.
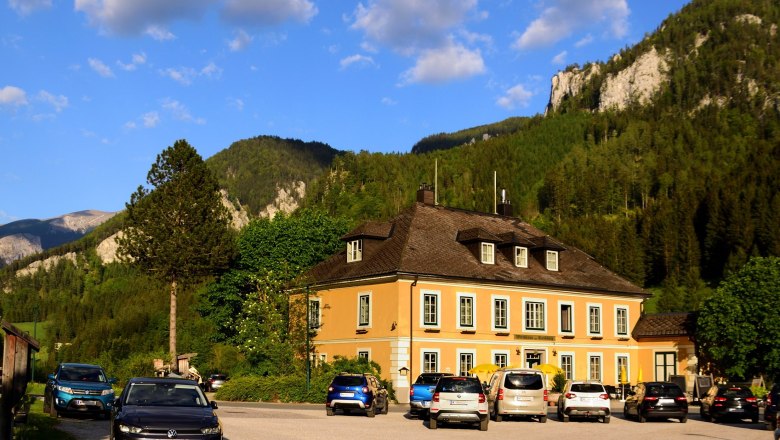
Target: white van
column 518, row 392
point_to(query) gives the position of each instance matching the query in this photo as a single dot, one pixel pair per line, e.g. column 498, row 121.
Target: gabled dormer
column 516, row 248
column 481, row 243
column 364, row 240
column 547, row 252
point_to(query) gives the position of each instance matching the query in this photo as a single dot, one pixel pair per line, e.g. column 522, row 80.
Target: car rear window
column 523, row 381
column 587, row 388
column 735, row 392
column 427, row 380
column 459, row 386
column 664, row 391
column 218, row 377
column 348, row 381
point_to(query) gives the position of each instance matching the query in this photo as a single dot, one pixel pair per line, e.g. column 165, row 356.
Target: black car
column 772, row 402
column 164, row 408
column 733, row 402
column 658, row 400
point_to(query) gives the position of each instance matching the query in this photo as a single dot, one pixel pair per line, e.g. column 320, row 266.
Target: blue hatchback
column 79, row 388
column 356, row 391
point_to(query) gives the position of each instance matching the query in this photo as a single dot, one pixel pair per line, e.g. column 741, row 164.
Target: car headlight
column 130, row 429
column 212, row 430
column 67, row 390
column 107, row 392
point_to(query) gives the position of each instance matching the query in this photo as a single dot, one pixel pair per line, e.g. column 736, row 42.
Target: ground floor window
column 665, row 365
column 532, row 357
column 466, row 363
column 500, row 359
column 567, row 365
column 594, row 370
column 364, row 355
column 430, row 362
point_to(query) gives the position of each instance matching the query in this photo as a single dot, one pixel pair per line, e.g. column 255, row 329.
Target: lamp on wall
column 517, row 351
column 555, row 353
column 403, row 371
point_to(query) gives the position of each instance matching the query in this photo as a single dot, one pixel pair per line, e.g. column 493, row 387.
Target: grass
column 39, row 426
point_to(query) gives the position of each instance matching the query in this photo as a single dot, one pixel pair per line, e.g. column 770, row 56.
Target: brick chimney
column 505, row 207
column 425, row 194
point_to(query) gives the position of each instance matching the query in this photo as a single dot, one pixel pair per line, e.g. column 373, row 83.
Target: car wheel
column 498, row 416
column 432, row 424
column 483, row 424
column 386, row 407
column 705, row 417
column 329, row 411
column 371, row 412
column 606, row 419
column 543, row 419
column 565, row 418
column 714, row 419
column 642, row 418
column 683, row 419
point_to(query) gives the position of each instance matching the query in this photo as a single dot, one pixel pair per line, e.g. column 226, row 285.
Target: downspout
column 411, row 329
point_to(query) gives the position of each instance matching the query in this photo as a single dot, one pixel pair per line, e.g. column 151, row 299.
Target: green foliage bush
column 759, row 392
column 559, row 382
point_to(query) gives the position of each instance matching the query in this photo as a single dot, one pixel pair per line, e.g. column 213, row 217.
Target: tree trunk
column 172, row 333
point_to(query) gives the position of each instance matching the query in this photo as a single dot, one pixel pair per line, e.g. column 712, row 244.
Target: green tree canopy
column 178, row 229
column 738, row 327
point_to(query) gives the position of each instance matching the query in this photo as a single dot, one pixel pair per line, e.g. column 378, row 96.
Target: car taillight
column 681, row 399
column 330, row 389
column 411, row 392
column 435, row 397
column 365, row 389
column 750, row 400
column 500, row 394
column 720, row 399
column 545, row 396
column 481, row 398
column 651, row 398
column 570, row 395
column 604, row 396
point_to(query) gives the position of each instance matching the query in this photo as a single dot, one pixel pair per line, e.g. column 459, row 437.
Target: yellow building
column 443, row 289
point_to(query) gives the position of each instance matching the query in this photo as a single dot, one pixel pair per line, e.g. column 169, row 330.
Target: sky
column 91, row 91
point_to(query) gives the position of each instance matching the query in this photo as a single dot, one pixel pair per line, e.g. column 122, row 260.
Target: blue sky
column 92, row 90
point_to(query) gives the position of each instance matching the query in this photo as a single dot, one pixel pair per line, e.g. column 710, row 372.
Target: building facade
column 442, row 289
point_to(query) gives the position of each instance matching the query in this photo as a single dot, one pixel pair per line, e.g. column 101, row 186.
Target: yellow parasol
column 549, row 371
column 623, row 375
column 483, row 371
column 639, row 375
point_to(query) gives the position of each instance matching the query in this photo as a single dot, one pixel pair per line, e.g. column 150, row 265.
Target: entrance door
column 532, row 357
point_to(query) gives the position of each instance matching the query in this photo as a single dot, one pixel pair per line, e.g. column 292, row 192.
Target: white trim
column 421, row 364
column 458, row 324
column 493, row 354
column 319, row 313
column 520, row 263
column 617, row 367
column 547, row 256
column 492, row 253
column 364, row 349
column 461, row 351
column 601, row 365
column 493, row 299
column 571, row 317
column 370, row 309
column 628, row 321
column 601, row 319
column 354, row 255
column 436, row 293
column 544, row 318
column 573, row 368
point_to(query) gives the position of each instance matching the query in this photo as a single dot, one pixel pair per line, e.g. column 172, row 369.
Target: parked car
column 421, row 392
column 164, row 408
column 770, row 410
column 518, row 392
column 662, row 400
column 459, row 399
column 78, row 388
column 356, row 391
column 584, row 399
column 733, row 401
column 215, row 382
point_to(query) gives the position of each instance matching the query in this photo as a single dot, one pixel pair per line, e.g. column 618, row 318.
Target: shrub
column 559, row 382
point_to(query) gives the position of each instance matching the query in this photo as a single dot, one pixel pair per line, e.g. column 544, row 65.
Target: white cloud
column 180, row 112
column 100, row 68
column 268, row 12
column 211, row 70
column 584, row 41
column 13, row 96
column 241, row 41
column 237, row 103
column 357, row 59
column 150, row 119
column 159, row 33
column 389, row 101
column 27, row 7
column 516, row 96
column 442, row 65
column 560, row 58
column 182, row 75
column 130, row 125
column 565, row 17
column 137, row 16
column 137, row 60
column 58, row 102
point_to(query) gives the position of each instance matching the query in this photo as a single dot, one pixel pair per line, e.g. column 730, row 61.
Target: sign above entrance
column 535, row 338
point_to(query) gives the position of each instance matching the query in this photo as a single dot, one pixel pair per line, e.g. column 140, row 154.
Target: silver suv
column 584, row 399
column 518, row 392
column 459, row 399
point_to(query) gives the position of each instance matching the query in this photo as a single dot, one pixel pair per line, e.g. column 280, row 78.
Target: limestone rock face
column 569, row 84
column 287, row 199
column 14, row 247
column 636, row 83
column 46, row 264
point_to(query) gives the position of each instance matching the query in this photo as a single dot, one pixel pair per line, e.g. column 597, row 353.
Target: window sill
column 567, row 336
column 468, row 332
column 502, row 333
column 597, row 338
column 432, row 330
column 623, row 338
column 361, row 331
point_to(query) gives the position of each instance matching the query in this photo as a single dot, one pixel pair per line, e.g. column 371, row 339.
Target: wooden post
column 17, row 350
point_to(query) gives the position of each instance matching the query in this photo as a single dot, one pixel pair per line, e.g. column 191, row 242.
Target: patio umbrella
column 549, row 370
column 483, row 371
column 623, row 375
column 639, row 375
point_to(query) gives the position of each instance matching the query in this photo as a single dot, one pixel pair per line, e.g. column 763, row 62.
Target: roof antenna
column 436, row 183
column 495, row 192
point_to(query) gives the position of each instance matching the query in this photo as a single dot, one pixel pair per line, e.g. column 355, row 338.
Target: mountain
column 26, row 237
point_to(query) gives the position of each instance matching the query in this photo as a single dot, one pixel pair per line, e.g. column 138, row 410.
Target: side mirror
column 112, row 380
column 214, row 405
column 117, row 402
column 51, row 376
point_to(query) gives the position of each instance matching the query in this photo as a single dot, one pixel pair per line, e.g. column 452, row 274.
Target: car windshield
column 459, row 386
column 218, row 376
column 523, row 381
column 587, row 388
column 735, row 392
column 165, row 394
column 348, row 381
column 427, row 380
column 82, row 374
column 664, row 391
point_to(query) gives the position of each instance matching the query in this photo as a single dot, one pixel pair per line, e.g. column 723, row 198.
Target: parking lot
column 248, row 421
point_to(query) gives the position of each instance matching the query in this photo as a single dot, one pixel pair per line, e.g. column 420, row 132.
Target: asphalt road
column 248, row 421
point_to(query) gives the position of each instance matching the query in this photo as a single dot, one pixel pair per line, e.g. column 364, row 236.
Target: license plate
column 79, row 402
column 347, row 394
column 666, row 401
column 457, row 402
column 426, row 403
column 523, row 399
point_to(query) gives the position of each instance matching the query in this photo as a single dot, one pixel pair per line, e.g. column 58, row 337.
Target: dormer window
column 521, row 256
column 488, row 253
column 354, row 251
column 552, row 260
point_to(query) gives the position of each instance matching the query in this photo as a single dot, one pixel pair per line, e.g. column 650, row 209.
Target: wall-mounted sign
column 535, row 338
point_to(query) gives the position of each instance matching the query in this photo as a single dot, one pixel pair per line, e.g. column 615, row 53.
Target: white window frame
column 354, row 250
column 526, row 301
column 617, row 367
column 437, row 294
column 521, row 256
column 554, row 264
column 370, row 309
column 561, row 355
column 435, row 351
column 599, row 355
column 319, row 314
column 487, row 253
column 600, row 322
column 493, row 299
column 571, row 318
column 458, row 323
column 364, row 350
column 494, row 353
column 617, row 321
column 462, row 351
column 318, row 359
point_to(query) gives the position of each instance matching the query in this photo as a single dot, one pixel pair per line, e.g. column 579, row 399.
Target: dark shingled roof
column 423, row 240
column 370, row 230
column 665, row 324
